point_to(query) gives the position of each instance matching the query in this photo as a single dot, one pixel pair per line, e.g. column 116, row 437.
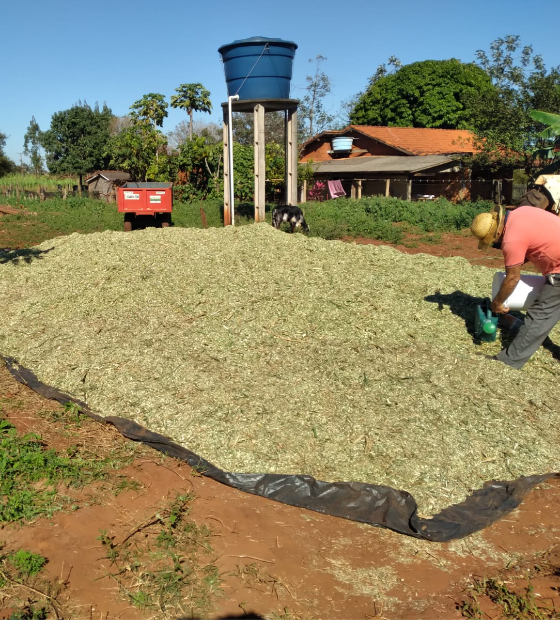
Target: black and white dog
column 290, row 214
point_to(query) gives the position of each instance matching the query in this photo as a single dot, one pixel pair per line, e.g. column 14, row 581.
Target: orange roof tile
column 420, row 141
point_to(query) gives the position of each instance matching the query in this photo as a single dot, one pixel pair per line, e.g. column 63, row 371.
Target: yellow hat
column 488, row 227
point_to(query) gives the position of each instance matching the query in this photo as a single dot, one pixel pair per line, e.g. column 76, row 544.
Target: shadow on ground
column 25, row 255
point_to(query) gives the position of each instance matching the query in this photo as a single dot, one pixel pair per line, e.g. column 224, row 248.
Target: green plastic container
column 485, row 322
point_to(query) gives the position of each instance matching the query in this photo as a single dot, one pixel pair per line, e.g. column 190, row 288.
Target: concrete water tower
column 258, row 75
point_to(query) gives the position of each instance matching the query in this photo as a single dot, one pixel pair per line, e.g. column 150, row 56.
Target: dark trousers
column 541, row 317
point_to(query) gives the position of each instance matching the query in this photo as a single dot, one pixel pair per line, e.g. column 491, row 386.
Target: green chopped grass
column 269, row 352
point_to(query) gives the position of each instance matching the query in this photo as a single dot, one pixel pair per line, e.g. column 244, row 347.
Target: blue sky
column 57, row 52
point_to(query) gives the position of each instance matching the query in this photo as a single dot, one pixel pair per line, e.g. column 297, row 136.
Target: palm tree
column 192, row 98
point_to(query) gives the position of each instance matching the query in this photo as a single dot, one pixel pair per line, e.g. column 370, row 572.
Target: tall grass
column 386, row 219
column 31, row 182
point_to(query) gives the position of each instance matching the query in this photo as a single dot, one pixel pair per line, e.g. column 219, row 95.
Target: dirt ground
column 281, row 562
column 446, row 244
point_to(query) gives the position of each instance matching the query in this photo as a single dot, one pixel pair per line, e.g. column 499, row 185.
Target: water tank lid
column 256, row 41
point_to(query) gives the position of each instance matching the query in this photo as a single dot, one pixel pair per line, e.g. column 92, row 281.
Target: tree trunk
column 190, row 124
column 81, row 176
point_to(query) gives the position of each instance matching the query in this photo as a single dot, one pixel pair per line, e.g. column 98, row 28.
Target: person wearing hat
column 524, row 235
column 535, row 198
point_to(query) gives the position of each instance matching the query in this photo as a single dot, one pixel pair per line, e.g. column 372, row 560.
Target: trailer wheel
column 128, row 219
column 165, row 220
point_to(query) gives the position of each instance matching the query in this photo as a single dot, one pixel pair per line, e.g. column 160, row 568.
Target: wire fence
column 44, row 193
column 419, row 190
column 422, row 189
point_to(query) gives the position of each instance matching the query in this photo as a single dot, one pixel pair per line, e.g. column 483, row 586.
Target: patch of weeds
column 73, row 413
column 110, row 547
column 13, row 403
column 69, row 415
column 30, row 474
column 198, row 470
column 162, row 563
column 27, row 564
column 124, row 483
column 29, row 612
column 22, row 588
column 510, row 605
column 433, row 238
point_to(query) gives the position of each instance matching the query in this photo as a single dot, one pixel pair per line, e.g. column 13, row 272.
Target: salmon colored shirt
column 532, row 234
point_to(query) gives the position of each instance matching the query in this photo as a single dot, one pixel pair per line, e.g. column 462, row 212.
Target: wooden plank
column 12, row 211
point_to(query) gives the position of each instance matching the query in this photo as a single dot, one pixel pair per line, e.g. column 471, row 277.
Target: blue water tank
column 258, row 68
column 342, row 143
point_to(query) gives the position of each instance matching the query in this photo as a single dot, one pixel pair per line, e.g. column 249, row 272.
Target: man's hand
column 499, row 308
column 513, row 275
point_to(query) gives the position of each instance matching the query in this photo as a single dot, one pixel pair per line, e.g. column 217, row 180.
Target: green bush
column 387, row 219
column 27, row 563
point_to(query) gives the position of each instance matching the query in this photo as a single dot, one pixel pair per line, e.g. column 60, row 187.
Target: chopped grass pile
column 268, row 352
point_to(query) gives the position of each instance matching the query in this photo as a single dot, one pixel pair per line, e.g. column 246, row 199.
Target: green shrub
column 29, row 613
column 27, row 563
column 375, row 217
column 387, row 219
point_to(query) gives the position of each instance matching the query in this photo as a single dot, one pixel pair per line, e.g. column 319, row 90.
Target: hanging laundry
column 335, row 189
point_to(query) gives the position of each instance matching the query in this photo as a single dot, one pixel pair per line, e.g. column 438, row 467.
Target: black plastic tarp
column 377, row 505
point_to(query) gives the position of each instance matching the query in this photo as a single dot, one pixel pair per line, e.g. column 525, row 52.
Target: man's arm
column 513, row 275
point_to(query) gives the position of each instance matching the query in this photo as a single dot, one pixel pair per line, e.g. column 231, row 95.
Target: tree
column 150, row 110
column 342, row 116
column 430, row 93
column 507, row 134
column 212, row 132
column 200, row 168
column 549, row 152
column 243, row 127
column 382, row 70
column 192, row 98
column 312, row 116
column 77, row 139
column 32, row 146
column 7, row 166
column 135, row 150
column 118, row 123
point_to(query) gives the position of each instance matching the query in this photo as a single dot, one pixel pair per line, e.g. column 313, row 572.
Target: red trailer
column 144, row 203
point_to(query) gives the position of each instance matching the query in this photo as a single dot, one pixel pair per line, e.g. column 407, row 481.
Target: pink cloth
column 532, row 234
column 335, row 189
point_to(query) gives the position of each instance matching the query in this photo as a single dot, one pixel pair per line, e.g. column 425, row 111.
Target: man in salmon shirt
column 524, row 234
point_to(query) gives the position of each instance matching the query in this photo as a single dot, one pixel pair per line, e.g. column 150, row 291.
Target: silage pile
column 268, row 352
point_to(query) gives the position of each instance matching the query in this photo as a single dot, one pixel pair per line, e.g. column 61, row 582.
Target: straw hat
column 488, row 227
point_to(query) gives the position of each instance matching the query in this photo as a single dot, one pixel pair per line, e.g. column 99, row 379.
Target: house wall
column 318, row 150
column 105, row 188
column 373, row 147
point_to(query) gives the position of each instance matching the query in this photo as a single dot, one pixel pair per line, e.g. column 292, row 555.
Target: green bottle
column 485, row 323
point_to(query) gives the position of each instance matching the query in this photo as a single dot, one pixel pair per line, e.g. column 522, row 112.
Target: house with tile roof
column 405, row 162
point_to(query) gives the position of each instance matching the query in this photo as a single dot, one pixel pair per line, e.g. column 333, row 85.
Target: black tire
column 165, row 219
column 129, row 221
